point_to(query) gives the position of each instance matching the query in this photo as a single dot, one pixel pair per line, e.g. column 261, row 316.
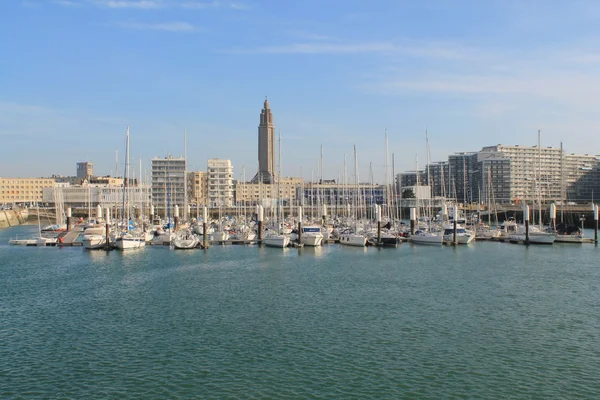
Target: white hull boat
column 94, row 242
column 535, row 237
column 568, row 238
column 427, row 238
column 184, row 244
column 280, row 241
column 353, row 239
column 129, row 242
column 312, row 236
column 462, row 235
column 38, row 241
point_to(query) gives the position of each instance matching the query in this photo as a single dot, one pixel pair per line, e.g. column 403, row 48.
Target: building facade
column 168, row 183
column 528, row 172
column 24, row 190
column 461, row 170
column 266, row 146
column 248, row 194
column 85, row 170
column 197, row 187
column 220, row 183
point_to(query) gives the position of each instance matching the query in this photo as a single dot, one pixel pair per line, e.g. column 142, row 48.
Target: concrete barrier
column 10, row 218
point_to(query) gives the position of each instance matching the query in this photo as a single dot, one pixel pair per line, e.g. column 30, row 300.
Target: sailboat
column 126, row 240
column 426, row 236
column 351, row 237
column 276, row 239
column 35, row 241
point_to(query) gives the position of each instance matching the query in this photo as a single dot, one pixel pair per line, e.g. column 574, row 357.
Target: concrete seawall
column 10, row 218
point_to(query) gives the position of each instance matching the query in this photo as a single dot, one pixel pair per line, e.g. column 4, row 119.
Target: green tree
column 408, row 194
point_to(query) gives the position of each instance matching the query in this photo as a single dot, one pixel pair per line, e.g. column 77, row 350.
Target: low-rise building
column 23, row 190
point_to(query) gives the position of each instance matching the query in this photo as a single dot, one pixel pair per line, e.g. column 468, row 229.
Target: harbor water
column 488, row 320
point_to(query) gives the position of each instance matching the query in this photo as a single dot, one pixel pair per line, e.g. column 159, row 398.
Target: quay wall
column 10, row 218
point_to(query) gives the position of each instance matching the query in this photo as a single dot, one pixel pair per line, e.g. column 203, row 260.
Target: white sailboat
column 426, row 236
column 39, row 240
column 351, row 237
column 277, row 239
column 128, row 240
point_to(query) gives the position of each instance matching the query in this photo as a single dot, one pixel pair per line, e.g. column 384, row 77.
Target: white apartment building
column 220, row 183
column 530, row 171
column 168, row 183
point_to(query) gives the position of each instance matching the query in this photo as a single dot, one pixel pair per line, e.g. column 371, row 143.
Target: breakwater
column 10, row 218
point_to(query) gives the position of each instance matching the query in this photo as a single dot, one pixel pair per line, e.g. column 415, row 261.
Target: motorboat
column 312, row 236
column 462, row 235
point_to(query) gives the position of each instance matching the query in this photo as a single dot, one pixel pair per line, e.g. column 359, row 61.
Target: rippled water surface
column 490, row 320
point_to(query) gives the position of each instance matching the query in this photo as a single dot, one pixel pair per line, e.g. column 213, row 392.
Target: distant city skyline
column 76, row 73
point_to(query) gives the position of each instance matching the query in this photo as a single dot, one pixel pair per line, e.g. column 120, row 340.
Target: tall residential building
column 266, row 147
column 220, row 183
column 197, row 187
column 461, row 167
column 438, row 178
column 410, row 178
column 168, row 183
column 85, row 170
column 532, row 171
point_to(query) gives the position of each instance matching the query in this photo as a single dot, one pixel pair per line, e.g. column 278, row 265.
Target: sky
column 338, row 74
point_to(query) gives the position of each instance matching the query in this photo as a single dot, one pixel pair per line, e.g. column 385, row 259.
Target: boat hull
column 353, row 240
column 429, row 239
column 279, row 241
column 185, row 244
column 130, row 243
column 535, row 238
column 312, row 240
column 94, row 242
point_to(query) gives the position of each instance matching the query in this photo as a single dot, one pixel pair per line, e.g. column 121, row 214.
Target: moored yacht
column 425, row 237
column 462, row 235
column 312, row 236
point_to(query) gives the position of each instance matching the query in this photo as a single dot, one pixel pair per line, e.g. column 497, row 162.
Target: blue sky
column 75, row 73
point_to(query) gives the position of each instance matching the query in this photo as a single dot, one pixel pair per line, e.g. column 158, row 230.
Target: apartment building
column 220, row 183
column 23, row 190
column 168, row 183
column 263, row 193
column 197, row 187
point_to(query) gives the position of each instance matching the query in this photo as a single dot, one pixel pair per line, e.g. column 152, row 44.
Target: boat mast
column 387, row 177
column 125, row 183
column 539, row 181
column 185, row 194
column 278, row 184
column 428, row 180
column 562, row 186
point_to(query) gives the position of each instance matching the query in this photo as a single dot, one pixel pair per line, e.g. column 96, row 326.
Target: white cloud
column 158, row 4
column 140, row 4
column 164, row 26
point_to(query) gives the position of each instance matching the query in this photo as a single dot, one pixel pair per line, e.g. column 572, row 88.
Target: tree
column 408, row 194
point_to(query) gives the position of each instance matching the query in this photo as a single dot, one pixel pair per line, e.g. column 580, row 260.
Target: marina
column 482, row 320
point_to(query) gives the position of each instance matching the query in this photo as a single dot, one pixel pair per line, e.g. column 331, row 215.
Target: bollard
column 204, row 228
column 455, row 211
column 596, row 224
column 260, row 222
column 526, row 219
column 299, row 224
